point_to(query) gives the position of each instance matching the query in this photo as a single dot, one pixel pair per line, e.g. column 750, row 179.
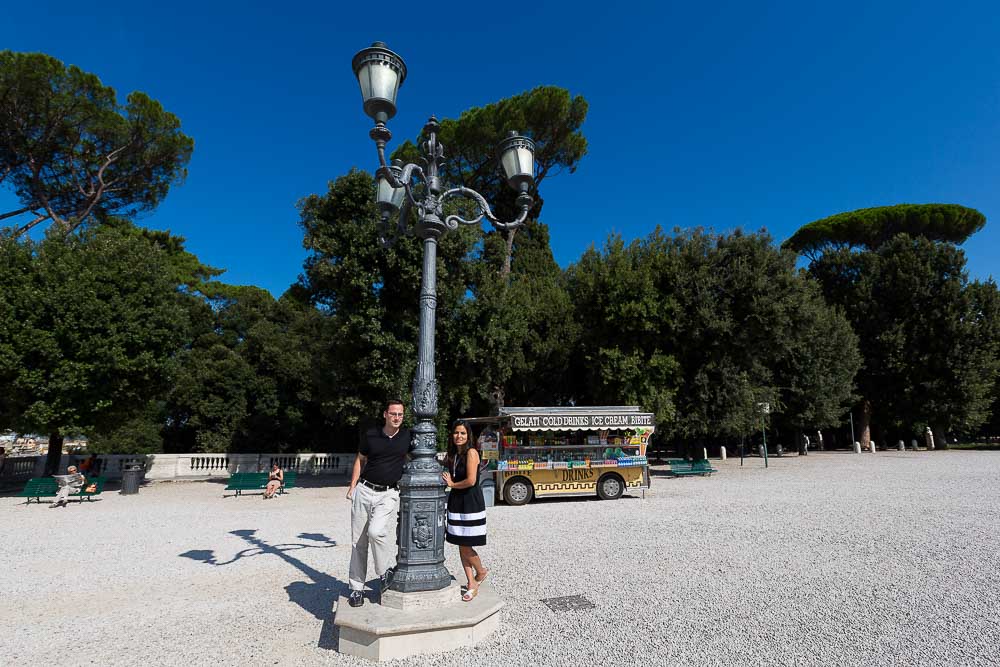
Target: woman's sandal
column 470, row 594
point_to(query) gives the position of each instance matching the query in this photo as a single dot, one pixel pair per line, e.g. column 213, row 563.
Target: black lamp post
column 380, row 73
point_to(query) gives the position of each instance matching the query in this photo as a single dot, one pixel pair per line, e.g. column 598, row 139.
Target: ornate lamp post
column 380, row 73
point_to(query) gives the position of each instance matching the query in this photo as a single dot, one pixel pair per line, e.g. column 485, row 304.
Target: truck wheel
column 610, row 487
column 518, row 491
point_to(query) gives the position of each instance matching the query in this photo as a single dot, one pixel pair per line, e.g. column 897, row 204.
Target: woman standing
column 466, row 507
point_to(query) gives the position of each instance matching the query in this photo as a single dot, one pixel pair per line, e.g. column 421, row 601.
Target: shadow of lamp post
column 380, row 73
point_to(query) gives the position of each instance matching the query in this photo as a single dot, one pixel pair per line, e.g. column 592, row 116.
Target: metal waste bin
column 489, row 488
column 131, row 474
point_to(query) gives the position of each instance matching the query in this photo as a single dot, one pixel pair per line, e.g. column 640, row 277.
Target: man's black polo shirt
column 386, row 456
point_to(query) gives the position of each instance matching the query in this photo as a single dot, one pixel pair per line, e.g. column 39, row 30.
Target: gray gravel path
column 830, row 559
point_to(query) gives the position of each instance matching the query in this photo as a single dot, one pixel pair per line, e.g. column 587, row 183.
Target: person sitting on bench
column 69, row 484
column 274, row 481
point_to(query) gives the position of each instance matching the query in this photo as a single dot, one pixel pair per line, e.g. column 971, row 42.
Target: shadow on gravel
column 666, row 474
column 316, row 596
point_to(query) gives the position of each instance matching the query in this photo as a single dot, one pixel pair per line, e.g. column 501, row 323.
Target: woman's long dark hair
column 453, row 448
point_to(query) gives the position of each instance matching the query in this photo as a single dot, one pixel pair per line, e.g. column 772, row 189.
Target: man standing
column 374, row 496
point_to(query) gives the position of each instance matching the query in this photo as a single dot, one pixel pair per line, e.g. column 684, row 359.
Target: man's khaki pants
column 63, row 494
column 373, row 521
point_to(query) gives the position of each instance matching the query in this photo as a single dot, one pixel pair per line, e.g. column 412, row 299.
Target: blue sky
column 728, row 115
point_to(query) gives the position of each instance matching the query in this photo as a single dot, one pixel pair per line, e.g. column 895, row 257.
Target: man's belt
column 378, row 487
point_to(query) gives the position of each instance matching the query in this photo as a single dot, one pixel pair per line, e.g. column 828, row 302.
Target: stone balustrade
column 160, row 467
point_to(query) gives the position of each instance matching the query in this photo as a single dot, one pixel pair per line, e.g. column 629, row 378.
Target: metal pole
column 763, row 433
column 422, row 499
column 422, row 505
column 742, row 441
column 851, row 413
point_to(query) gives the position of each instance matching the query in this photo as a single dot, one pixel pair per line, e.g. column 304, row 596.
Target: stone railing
column 184, row 466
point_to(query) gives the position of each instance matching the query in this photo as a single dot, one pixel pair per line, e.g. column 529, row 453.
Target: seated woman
column 274, row 481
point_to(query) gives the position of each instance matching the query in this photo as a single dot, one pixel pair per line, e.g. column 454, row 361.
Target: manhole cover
column 568, row 603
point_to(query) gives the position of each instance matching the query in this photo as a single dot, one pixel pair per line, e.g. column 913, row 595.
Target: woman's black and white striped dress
column 466, row 509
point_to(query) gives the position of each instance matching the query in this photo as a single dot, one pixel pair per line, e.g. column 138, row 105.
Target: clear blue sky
column 725, row 115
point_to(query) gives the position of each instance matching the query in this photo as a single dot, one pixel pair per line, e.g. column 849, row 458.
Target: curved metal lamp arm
column 453, row 221
column 409, row 171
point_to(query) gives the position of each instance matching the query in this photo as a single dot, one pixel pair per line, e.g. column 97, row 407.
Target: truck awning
column 577, row 418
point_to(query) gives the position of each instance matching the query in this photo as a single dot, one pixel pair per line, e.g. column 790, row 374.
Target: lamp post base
column 432, row 622
column 417, row 580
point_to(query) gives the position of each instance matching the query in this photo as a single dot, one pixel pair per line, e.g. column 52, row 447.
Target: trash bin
column 489, row 488
column 131, row 474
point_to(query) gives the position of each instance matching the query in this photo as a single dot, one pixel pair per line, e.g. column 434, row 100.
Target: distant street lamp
column 765, row 410
column 380, row 73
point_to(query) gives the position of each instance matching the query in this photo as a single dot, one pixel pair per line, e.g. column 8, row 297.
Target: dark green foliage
column 248, row 382
column 519, row 329
column 627, row 322
column 701, row 328
column 871, row 227
column 985, row 299
column 369, row 296
column 90, row 325
column 927, row 336
column 141, row 434
column 71, row 153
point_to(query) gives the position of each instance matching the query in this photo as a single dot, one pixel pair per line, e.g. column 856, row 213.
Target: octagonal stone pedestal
column 408, row 624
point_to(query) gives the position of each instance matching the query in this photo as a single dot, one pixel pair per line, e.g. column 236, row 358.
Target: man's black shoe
column 356, row 599
column 386, row 579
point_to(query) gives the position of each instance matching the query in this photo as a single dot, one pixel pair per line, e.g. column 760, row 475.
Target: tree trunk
column 505, row 270
column 865, row 424
column 54, row 457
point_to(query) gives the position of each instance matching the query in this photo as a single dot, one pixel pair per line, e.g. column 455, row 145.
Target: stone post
column 913, row 445
column 722, row 452
column 900, row 446
column 857, row 447
column 929, row 438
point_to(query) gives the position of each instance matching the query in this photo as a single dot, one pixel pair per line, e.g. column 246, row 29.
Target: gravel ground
column 830, row 559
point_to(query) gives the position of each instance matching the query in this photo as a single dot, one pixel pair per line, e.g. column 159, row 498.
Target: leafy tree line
column 120, row 334
column 929, row 337
column 704, row 328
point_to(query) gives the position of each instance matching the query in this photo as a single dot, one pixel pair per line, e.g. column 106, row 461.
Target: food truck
column 542, row 452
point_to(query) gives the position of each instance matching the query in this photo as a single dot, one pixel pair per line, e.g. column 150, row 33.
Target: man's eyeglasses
column 395, row 414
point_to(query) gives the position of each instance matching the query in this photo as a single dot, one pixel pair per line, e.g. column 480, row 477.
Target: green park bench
column 257, row 481
column 246, row 481
column 680, row 468
column 47, row 487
